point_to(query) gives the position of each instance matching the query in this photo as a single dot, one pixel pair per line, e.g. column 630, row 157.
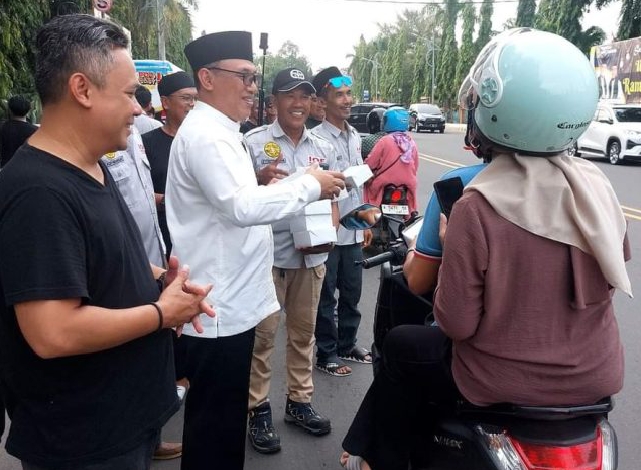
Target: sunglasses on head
column 343, row 80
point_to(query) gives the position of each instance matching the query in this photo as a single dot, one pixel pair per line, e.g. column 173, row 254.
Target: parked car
column 426, row 116
column 367, row 117
column 614, row 133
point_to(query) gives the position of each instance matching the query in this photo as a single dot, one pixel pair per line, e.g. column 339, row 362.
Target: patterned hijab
column 405, row 144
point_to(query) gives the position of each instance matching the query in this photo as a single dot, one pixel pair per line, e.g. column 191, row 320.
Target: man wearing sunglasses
column 219, row 220
column 336, row 344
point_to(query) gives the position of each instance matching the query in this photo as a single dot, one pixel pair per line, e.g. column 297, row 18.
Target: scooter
column 394, row 206
column 497, row 437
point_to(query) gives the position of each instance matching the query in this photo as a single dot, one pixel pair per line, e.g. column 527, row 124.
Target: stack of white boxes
column 313, row 225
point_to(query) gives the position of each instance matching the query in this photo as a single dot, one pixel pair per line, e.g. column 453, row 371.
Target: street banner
column 618, row 70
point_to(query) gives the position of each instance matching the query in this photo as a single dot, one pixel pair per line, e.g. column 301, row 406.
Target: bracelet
column 160, row 317
column 410, row 249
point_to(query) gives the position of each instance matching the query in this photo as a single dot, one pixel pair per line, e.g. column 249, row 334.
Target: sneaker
column 303, row 415
column 262, row 435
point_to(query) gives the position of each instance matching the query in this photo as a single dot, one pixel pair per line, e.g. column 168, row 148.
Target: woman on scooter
column 533, row 252
column 394, row 159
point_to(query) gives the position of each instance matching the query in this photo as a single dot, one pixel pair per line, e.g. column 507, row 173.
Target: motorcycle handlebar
column 377, row 260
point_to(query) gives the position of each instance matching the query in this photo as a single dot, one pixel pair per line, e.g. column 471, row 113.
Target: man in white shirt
column 219, row 220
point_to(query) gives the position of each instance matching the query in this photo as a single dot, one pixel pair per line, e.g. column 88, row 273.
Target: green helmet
column 531, row 91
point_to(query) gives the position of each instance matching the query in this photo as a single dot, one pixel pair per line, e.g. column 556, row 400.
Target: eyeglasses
column 248, row 78
column 338, row 82
column 187, row 98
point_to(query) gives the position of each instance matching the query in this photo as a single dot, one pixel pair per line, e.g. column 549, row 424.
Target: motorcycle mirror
column 362, row 218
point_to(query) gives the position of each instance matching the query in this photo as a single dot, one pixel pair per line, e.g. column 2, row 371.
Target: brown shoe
column 168, row 451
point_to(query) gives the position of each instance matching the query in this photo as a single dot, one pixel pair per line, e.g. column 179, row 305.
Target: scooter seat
column 545, row 413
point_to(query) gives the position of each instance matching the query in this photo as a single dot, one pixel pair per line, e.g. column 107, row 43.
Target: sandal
column 357, row 354
column 333, row 367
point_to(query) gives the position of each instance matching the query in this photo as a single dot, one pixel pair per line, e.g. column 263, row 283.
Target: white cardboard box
column 318, row 207
column 314, row 237
column 310, row 222
column 314, row 216
column 357, row 175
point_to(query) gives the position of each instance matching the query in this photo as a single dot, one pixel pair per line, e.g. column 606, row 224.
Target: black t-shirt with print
column 64, row 235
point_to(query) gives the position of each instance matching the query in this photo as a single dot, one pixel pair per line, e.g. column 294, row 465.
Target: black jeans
column 344, row 275
column 397, row 406
column 216, row 405
column 136, row 459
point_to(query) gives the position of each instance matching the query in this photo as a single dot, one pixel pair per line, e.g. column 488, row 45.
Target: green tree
column 19, row 21
column 287, row 56
column 485, row 27
column 398, row 92
column 467, row 51
column 525, row 13
column 178, row 35
column 140, row 18
column 446, row 67
column 630, row 20
column 563, row 17
column 420, row 72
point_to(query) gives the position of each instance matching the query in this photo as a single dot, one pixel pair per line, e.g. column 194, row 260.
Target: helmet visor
column 485, row 66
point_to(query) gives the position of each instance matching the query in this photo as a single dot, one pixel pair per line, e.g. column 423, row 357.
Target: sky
column 326, row 31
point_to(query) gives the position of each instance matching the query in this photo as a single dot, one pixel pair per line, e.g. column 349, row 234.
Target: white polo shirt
column 219, row 219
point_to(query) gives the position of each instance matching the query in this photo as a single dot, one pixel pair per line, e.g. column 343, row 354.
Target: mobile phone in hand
column 448, row 191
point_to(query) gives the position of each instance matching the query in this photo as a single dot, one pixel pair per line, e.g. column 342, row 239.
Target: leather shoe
column 168, row 451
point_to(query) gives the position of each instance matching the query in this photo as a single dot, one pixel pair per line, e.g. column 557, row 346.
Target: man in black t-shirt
column 85, row 345
column 16, row 130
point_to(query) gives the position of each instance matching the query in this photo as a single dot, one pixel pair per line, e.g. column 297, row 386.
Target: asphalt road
column 338, row 398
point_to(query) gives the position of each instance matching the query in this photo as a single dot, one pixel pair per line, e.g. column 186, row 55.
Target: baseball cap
column 288, row 79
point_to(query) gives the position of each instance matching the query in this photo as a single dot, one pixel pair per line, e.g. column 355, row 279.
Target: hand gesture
column 271, row 173
column 182, row 301
column 331, row 181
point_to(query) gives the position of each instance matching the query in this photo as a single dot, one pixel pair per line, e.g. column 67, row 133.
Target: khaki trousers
column 298, row 292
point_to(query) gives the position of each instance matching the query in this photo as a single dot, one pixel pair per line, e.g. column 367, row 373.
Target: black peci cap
column 291, row 78
column 173, row 82
column 219, row 46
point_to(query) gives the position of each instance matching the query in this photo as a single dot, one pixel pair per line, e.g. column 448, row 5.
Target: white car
column 614, row 133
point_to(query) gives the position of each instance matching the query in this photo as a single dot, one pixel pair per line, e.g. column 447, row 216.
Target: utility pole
column 375, row 66
column 432, row 64
column 161, row 32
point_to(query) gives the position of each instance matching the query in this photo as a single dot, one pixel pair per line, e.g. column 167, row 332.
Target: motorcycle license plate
column 395, row 209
